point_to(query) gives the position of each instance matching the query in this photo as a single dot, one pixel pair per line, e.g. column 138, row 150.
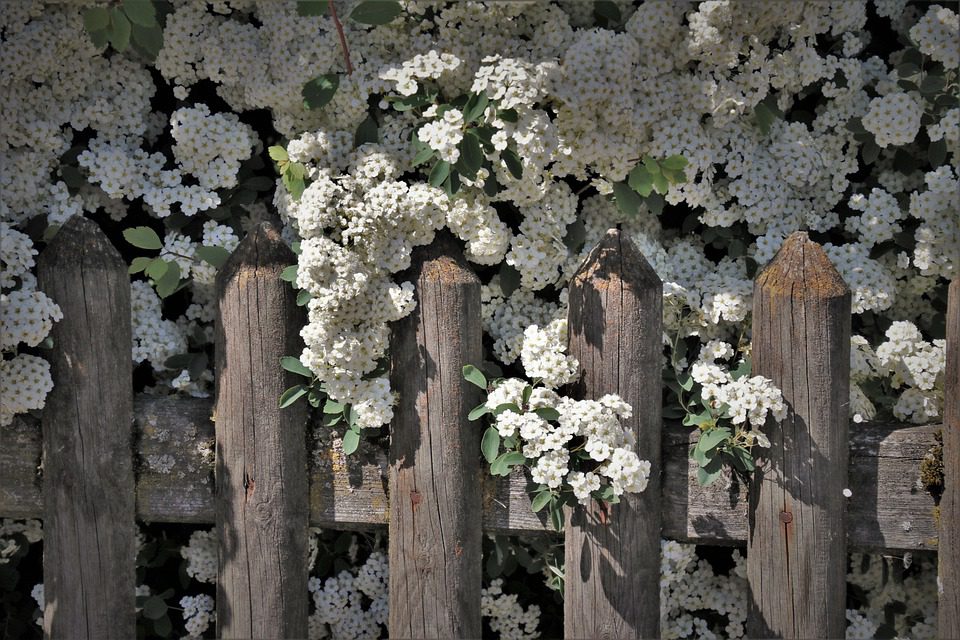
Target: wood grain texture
column 261, row 467
column 616, row 333
column 948, row 612
column 796, row 545
column 88, row 528
column 434, row 538
column 175, row 482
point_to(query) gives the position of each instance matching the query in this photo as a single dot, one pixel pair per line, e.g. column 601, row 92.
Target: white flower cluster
column 748, row 399
column 543, row 354
column 198, row 613
column 32, row 530
column 592, row 427
column 506, row 616
column 154, row 338
column 201, row 556
column 918, row 365
column 24, row 384
column 352, row 605
column 894, row 119
column 444, row 134
column 937, row 34
column 431, row 65
column 210, row 147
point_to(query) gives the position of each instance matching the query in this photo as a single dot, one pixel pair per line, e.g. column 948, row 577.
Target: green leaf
column 651, row 165
column 640, row 180
column 932, row 84
column 439, row 173
column 376, row 12
column 141, row 12
column 490, row 444
column 366, row 132
column 525, row 395
column 475, row 106
column 513, row 162
column 119, row 33
column 319, row 91
column 474, row 376
column 541, row 500
column 423, row 155
column 655, row 203
column 332, row 406
column 700, row 456
column 293, row 365
column 556, row 520
column 100, row 38
column 278, row 154
column 547, row 413
column 501, row 466
column 95, row 19
column 764, row 117
column 937, row 152
column 452, row 184
column 156, row 269
column 148, row 39
column 870, row 151
column 687, row 383
column 214, row 256
column 303, row 297
column 331, row 419
column 289, row 274
column 510, row 279
column 743, row 369
column 626, row 198
column 154, row 608
column 169, row 281
column 706, row 478
column 309, row 8
column 139, row 264
column 710, row 439
column 674, row 163
column 576, row 235
column 607, row 13
column 506, row 406
column 478, row 411
column 293, row 394
column 508, row 115
column 471, row 156
column 142, row 238
column 660, row 184
column 294, row 185
column 351, row 441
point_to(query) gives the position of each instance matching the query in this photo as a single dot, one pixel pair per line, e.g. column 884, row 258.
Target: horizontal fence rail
column 888, row 509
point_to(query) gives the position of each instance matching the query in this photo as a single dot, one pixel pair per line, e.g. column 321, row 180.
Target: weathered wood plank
column 616, row 333
column 261, row 464
column 948, row 611
column 88, row 529
column 175, row 482
column 796, row 545
column 434, row 539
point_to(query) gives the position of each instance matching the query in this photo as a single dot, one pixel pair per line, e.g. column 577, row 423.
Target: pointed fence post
column 434, row 478
column 261, row 464
column 88, row 528
column 616, row 332
column 797, row 545
column 948, row 611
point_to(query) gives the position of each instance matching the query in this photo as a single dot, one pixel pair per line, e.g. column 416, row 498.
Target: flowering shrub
column 708, row 131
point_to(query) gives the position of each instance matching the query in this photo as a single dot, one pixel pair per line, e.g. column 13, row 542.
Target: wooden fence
column 263, row 487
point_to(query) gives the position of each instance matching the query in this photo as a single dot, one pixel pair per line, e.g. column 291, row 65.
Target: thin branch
column 343, row 38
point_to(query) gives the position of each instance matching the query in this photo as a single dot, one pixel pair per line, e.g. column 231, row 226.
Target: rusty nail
column 786, row 516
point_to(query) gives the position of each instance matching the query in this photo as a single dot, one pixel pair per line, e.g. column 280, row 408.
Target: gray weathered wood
column 175, row 482
column 796, row 545
column 948, row 611
column 434, row 538
column 616, row 333
column 261, row 467
column 88, row 529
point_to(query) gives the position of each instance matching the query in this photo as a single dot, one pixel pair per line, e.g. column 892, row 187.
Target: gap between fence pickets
column 888, row 509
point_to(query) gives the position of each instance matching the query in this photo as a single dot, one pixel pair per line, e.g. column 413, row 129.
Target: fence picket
column 948, row 612
column 89, row 545
column 616, row 332
column 434, row 476
column 261, row 466
column 796, row 547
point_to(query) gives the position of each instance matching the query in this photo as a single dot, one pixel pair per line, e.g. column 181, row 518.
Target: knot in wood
column 786, row 517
